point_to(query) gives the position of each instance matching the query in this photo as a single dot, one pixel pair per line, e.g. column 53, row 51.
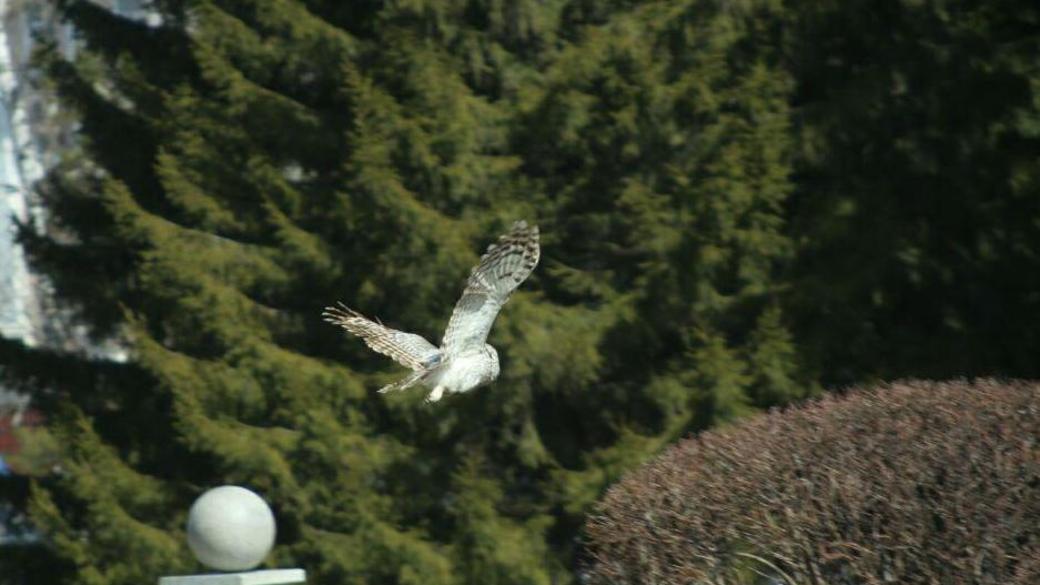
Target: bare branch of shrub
column 913, row 482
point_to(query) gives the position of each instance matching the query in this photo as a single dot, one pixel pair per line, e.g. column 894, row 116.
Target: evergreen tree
column 917, row 202
column 249, row 161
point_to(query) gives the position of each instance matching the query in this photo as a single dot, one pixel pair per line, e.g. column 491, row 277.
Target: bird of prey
column 464, row 360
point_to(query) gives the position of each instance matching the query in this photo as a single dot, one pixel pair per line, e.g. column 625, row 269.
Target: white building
column 31, row 140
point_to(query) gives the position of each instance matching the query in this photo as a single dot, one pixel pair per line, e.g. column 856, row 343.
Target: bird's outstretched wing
column 408, row 349
column 404, row 383
column 503, row 267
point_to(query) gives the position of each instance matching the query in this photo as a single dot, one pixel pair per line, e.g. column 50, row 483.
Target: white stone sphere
column 230, row 528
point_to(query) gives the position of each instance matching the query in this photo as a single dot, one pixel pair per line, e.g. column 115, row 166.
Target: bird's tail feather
column 404, row 383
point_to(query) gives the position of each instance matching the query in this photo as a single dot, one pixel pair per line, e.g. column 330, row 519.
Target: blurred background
column 743, row 204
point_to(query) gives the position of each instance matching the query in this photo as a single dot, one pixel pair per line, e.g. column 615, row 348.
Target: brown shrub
column 914, row 482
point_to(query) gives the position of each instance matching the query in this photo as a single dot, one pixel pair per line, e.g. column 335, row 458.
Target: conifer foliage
column 918, row 193
column 247, row 162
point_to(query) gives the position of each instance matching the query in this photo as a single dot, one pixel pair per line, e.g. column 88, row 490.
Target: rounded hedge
column 913, row 482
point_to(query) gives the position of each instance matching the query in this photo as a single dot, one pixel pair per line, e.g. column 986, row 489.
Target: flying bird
column 464, row 360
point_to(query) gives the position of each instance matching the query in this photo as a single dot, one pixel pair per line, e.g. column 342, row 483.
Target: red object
column 9, row 421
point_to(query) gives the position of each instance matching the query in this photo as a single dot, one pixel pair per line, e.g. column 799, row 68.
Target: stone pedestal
column 272, row 577
column 275, row 577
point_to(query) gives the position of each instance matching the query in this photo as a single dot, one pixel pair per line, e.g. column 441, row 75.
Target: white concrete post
column 232, row 529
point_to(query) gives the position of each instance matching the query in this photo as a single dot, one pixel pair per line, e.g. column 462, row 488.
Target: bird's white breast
column 465, row 372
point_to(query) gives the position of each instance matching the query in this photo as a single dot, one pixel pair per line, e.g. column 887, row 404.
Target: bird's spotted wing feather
column 404, row 383
column 408, row 349
column 503, row 267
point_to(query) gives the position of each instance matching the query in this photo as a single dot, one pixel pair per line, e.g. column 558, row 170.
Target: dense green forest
column 741, row 203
